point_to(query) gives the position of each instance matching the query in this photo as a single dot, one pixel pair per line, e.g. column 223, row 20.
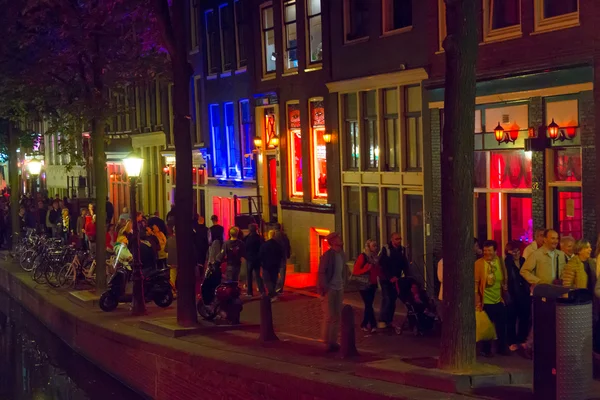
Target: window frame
column 368, row 121
column 233, row 149
column 224, row 164
column 406, row 116
column 442, row 31
column 265, row 72
column 353, row 214
column 564, row 21
column 388, row 216
column 348, row 24
column 194, row 37
column 372, row 214
column 491, row 35
column 247, row 153
column 285, row 24
column 211, row 69
column 226, row 47
column 294, row 194
column 240, row 23
column 314, row 129
column 387, row 7
column 351, row 163
column 386, row 116
column 309, row 17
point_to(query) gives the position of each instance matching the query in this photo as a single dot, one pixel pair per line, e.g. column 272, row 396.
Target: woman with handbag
column 365, row 273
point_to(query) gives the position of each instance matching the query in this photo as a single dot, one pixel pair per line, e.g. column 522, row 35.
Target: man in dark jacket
column 232, row 252
column 393, row 263
column 200, row 239
column 110, row 211
column 217, row 232
column 253, row 244
column 54, row 219
column 286, row 248
column 270, row 256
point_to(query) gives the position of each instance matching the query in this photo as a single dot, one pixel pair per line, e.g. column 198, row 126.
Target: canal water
column 37, row 365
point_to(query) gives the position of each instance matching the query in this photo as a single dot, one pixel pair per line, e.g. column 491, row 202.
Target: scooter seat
column 230, row 283
column 154, row 272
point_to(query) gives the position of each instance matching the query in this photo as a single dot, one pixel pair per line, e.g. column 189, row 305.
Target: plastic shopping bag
column 485, row 330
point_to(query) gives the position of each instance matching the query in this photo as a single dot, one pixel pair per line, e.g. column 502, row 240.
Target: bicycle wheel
column 39, row 273
column 65, row 275
column 26, row 260
column 51, row 275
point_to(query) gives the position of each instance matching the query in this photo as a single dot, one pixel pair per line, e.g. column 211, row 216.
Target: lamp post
column 133, row 166
column 34, row 166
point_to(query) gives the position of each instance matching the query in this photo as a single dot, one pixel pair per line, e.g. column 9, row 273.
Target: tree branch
column 166, row 25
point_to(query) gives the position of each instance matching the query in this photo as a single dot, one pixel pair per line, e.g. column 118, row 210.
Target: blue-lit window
column 233, row 143
column 247, row 139
column 219, row 143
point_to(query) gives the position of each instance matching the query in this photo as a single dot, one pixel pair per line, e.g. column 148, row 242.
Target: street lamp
column 34, row 166
column 133, row 166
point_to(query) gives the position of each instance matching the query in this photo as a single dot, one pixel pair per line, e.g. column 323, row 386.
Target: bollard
column 267, row 333
column 348, row 340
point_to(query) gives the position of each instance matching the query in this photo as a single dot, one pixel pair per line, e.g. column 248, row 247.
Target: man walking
column 393, row 263
column 270, row 257
column 332, row 277
column 253, row 243
column 217, row 232
column 232, row 252
column 284, row 242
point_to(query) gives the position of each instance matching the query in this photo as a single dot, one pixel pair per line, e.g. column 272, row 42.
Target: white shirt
column 552, row 255
column 530, row 249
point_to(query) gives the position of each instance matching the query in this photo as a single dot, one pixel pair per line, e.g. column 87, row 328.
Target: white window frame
column 496, row 35
column 194, row 42
column 387, row 6
column 221, row 37
column 239, row 67
column 266, row 74
column 565, row 21
column 284, row 25
column 313, row 64
column 291, row 153
column 208, row 48
column 347, row 24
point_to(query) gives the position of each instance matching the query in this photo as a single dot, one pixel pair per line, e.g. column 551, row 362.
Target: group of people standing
column 503, row 287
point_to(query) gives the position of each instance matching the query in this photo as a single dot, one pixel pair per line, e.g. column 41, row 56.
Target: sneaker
column 364, row 329
column 248, row 295
column 274, row 299
column 373, row 330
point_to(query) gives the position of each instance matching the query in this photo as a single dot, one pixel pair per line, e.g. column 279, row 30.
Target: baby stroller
column 420, row 310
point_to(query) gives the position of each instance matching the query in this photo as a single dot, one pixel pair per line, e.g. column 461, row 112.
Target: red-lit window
column 567, row 165
column 520, row 220
column 510, row 170
column 570, row 213
column 496, row 214
column 295, row 133
column 317, row 118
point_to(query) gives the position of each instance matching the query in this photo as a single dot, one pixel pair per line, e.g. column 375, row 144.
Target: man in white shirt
column 536, row 244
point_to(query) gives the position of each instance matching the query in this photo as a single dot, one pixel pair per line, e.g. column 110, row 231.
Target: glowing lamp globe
column 133, row 165
column 499, row 133
column 553, row 130
column 274, row 141
column 257, row 142
column 34, row 166
column 327, row 137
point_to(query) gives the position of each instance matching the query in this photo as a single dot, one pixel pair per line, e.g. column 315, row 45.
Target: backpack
column 234, row 253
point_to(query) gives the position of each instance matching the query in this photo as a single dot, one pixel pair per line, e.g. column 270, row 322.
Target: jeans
column 253, row 268
column 332, row 311
column 368, row 296
column 497, row 314
column 232, row 273
column 389, row 295
column 282, row 271
column 270, row 279
column 518, row 321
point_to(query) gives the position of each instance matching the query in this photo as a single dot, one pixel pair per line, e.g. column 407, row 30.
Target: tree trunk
column 13, row 181
column 458, row 331
column 98, row 129
column 186, row 265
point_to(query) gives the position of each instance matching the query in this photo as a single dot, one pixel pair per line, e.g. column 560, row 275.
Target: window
column 501, row 19
column 153, row 105
column 193, row 24
column 441, row 23
column 247, row 139
column 219, row 147
column 353, row 221
column 268, row 40
column 370, row 128
column 390, row 126
column 291, row 36
column 315, row 31
column 412, row 122
column 295, row 132
column 317, row 118
column 227, row 37
column 372, row 220
column 392, row 211
column 233, row 142
column 351, row 134
column 510, row 170
column 567, row 165
column 356, row 19
column 397, row 14
column 142, row 99
column 556, row 14
column 240, row 32
column 212, row 42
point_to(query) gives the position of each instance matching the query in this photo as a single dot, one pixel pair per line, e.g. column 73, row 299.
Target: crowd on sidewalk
column 503, row 287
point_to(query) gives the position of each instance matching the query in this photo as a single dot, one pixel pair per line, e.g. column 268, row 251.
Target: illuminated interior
column 295, row 135
column 317, row 113
column 219, row 145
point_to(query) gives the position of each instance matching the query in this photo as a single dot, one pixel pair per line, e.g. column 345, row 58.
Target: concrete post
column 348, row 340
column 267, row 333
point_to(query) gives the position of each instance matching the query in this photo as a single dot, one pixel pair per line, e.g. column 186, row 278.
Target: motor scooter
column 156, row 288
column 219, row 298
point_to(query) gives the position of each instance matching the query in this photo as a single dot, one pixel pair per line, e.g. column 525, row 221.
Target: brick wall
column 587, row 125
column 436, row 184
column 538, row 167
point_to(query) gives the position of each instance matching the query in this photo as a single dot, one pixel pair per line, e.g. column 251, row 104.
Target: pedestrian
column 54, row 220
column 367, row 268
column 232, row 252
column 253, row 243
column 200, row 240
column 536, row 244
column 286, row 248
column 110, row 211
column 332, row 278
column 155, row 231
column 42, row 211
column 393, row 263
column 566, row 246
column 519, row 307
column 170, row 217
column 270, row 257
column 172, row 261
column 217, row 232
column 491, row 294
column 574, row 274
column 125, row 214
column 147, row 252
column 90, row 233
column 477, row 249
column 66, row 224
column 31, row 219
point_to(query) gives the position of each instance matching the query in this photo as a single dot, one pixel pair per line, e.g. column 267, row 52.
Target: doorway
column 272, row 188
column 520, row 218
column 568, row 216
